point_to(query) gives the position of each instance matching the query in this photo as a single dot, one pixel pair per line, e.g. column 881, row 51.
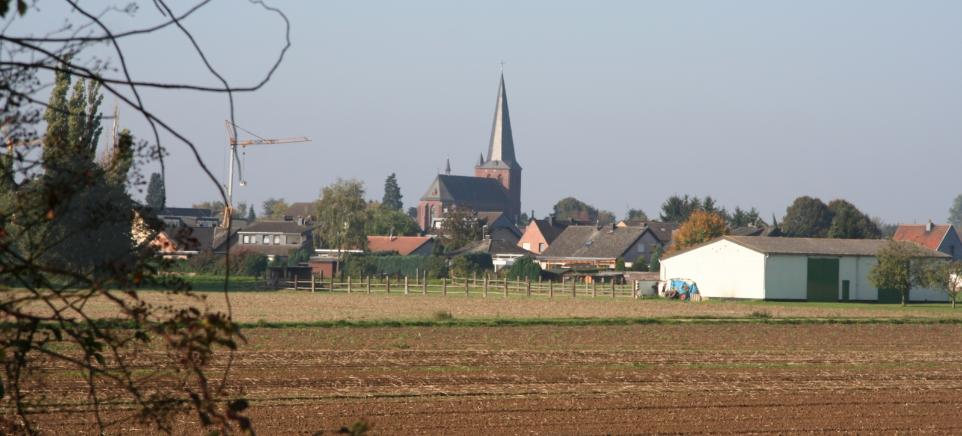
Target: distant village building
column 402, row 245
column 302, row 213
column 503, row 253
column 779, row 268
column 188, row 216
column 274, row 238
column 939, row 237
column 539, row 234
column 495, row 186
column 660, row 234
column 587, row 247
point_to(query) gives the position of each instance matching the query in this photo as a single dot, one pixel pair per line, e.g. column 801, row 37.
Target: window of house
column 293, row 240
column 247, row 239
column 267, row 239
column 526, row 245
column 277, row 239
column 542, row 246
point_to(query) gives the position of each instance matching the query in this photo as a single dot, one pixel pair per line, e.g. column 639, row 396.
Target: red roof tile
column 917, row 233
column 404, row 245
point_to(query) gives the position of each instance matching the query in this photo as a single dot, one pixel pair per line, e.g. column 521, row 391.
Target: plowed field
column 665, row 378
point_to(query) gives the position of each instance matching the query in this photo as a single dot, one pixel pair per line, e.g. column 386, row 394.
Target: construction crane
column 233, row 143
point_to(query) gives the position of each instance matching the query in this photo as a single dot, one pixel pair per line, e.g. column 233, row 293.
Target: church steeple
column 447, row 167
column 501, row 147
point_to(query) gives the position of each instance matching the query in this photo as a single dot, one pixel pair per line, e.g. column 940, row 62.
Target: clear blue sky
column 620, row 104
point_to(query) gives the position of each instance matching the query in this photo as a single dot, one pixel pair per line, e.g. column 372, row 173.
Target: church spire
column 447, row 167
column 501, row 147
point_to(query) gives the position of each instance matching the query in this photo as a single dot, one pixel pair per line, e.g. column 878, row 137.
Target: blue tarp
column 681, row 289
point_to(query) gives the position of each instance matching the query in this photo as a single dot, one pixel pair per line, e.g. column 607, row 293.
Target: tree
column 955, row 212
column 898, row 268
column 392, row 194
column 850, row 223
column 677, row 209
column 636, row 215
column 386, row 221
column 640, row 264
column 251, row 216
column 524, row 268
column 655, row 263
column 620, row 264
column 570, row 208
column 341, row 216
column 413, row 212
column 469, row 264
column 944, row 275
column 701, row 227
column 744, row 218
column 523, row 219
column 156, row 192
column 59, row 198
column 807, row 217
column 460, row 226
column 274, row 208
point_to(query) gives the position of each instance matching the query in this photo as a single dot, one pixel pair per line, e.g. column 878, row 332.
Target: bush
column 524, row 267
column 620, row 264
column 640, row 264
column 246, row 263
column 655, row 263
column 471, row 263
column 363, row 265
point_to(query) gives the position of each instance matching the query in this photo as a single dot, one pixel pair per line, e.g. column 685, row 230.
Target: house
column 302, row 213
column 777, row 268
column 188, row 216
column 539, row 234
column 503, row 253
column 939, row 237
column 274, row 238
column 661, row 233
column 595, row 247
column 403, row 245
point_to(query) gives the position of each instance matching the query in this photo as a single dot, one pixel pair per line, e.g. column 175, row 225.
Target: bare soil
column 729, row 378
column 305, row 307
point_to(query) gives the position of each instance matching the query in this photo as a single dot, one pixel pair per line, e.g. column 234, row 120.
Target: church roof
column 501, row 147
column 477, row 193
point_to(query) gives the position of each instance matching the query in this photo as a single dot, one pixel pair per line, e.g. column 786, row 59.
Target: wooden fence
column 479, row 286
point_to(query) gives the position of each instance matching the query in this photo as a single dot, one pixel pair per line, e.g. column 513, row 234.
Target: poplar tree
column 156, row 193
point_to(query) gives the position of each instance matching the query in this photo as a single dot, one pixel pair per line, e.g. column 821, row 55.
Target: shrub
column 620, row 264
column 363, row 265
column 524, row 267
column 468, row 264
column 640, row 264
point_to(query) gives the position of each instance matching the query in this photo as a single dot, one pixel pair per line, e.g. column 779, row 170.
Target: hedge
column 363, row 265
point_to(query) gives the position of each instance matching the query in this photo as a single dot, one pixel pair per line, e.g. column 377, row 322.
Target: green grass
column 215, row 283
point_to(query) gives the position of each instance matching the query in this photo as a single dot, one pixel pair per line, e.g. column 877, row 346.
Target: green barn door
column 822, row 279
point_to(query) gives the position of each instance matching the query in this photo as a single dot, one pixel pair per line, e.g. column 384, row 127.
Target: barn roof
column 807, row 246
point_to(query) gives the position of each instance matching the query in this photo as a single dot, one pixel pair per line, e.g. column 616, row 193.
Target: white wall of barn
column 722, row 269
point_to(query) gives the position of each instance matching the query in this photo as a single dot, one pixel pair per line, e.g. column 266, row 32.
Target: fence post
column 387, row 284
column 312, row 283
column 424, row 284
column 594, row 288
column 527, row 285
column 612, row 288
column 405, row 285
column 332, row 282
column 485, row 292
column 505, row 286
column 466, row 283
column 474, row 278
column 348, row 284
column 295, row 283
column 550, row 288
column 417, row 276
column 444, row 286
column 574, row 288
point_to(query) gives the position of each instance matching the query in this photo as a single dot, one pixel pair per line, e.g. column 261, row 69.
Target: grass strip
column 523, row 322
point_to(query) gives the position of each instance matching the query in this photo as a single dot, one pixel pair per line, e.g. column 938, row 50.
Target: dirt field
column 730, row 378
column 305, row 307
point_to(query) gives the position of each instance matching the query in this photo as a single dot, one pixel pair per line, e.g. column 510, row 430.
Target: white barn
column 776, row 268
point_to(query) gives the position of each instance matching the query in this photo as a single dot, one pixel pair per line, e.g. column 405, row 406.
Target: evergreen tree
column 392, row 194
column 850, row 223
column 655, row 263
column 156, row 193
column 251, row 215
column 807, row 217
column 955, row 213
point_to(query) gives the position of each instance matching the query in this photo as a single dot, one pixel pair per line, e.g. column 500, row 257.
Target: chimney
column 928, row 226
column 551, row 220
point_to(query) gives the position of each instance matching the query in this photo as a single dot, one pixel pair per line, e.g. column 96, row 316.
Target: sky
column 618, row 103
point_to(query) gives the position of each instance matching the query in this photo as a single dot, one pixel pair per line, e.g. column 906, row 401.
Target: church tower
column 501, row 163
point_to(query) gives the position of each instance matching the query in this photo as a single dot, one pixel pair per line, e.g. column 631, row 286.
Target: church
column 495, row 186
